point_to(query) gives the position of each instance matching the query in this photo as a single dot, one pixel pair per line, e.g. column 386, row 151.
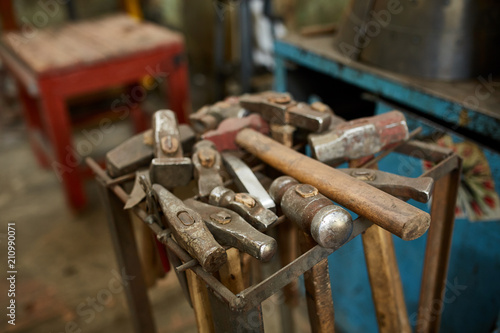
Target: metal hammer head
column 328, row 224
column 169, row 168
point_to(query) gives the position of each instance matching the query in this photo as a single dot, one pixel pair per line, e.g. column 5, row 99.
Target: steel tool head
column 230, row 229
column 328, row 224
column 190, row 231
column 359, row 138
column 169, row 168
column 247, row 205
column 419, row 189
column 207, row 164
column 246, row 181
column 280, row 108
column 210, row 116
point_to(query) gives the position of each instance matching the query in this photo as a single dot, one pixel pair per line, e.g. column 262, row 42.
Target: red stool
column 55, row 64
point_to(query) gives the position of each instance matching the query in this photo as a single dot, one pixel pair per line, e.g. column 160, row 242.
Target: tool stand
column 242, row 312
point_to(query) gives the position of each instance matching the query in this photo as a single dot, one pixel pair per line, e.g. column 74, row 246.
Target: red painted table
column 56, row 64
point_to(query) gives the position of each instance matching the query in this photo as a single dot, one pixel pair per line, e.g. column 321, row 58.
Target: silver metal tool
column 246, row 181
column 419, row 189
column 246, row 205
column 230, row 229
column 207, row 164
column 329, row 225
column 190, row 231
column 169, row 168
column 280, row 108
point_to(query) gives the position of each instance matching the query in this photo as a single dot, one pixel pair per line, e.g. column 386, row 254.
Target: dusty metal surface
column 245, row 180
column 392, row 214
column 169, row 168
column 207, row 164
column 230, row 229
column 190, row 231
column 130, row 155
column 281, row 109
column 210, row 116
column 328, row 224
column 246, row 205
column 419, row 189
column 359, row 138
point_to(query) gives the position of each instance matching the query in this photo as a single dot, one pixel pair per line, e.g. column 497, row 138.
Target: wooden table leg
column 437, row 252
column 122, row 235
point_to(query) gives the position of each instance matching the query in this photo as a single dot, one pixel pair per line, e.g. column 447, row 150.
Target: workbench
column 466, row 109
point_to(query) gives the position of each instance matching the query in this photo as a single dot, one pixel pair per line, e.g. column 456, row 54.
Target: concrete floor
column 64, row 260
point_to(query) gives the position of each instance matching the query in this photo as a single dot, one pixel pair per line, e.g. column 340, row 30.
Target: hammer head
column 169, row 168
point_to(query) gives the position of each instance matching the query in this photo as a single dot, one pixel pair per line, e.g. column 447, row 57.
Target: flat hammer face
column 230, row 229
column 328, row 224
column 169, row 168
column 190, row 231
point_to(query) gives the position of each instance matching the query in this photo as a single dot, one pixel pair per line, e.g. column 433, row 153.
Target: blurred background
column 79, row 77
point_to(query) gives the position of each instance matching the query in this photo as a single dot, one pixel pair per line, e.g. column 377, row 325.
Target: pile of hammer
column 246, row 181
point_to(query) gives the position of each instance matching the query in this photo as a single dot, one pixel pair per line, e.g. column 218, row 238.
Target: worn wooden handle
column 390, row 213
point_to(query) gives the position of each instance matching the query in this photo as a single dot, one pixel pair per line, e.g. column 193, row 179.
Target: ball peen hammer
column 390, row 213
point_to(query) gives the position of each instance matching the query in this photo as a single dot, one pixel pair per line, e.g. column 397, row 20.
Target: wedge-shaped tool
column 130, row 155
column 210, row 116
column 329, row 225
column 169, row 168
column 246, row 181
column 207, row 164
column 280, row 108
column 359, row 138
column 246, row 205
column 190, row 231
column 230, row 229
column 419, row 189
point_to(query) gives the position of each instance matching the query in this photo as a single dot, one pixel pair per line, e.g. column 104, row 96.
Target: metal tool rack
column 242, row 312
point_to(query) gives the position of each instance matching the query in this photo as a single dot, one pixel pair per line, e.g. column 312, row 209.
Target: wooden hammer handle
column 390, row 213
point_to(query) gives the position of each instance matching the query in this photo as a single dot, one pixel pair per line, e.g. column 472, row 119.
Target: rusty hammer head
column 169, row 168
column 328, row 224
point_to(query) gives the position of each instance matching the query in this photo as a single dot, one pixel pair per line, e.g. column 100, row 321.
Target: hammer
column 169, row 168
column 390, row 213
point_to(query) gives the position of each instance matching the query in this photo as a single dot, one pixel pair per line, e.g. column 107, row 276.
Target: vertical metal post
column 122, row 235
column 246, row 45
column 437, row 252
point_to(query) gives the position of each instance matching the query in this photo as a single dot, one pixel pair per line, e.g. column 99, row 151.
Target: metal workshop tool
column 210, row 116
column 392, row 214
column 280, row 108
column 190, row 231
column 329, row 225
column 419, row 189
column 130, row 155
column 230, row 229
column 246, row 205
column 359, row 138
column 223, row 137
column 169, row 168
column 207, row 164
column 246, row 181
column 138, row 151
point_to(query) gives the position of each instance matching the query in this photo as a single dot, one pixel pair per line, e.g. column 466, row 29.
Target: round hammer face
column 331, row 227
